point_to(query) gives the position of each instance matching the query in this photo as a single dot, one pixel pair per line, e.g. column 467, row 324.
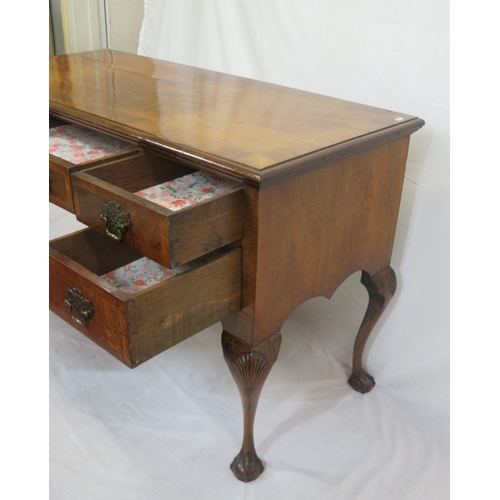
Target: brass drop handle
column 79, row 305
column 116, row 222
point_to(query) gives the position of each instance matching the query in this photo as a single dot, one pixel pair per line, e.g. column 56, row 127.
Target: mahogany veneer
column 319, row 188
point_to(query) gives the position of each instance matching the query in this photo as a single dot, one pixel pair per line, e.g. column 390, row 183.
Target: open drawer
column 73, row 148
column 133, row 307
column 161, row 209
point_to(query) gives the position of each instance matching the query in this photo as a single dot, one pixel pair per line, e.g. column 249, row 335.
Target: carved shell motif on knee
column 250, row 367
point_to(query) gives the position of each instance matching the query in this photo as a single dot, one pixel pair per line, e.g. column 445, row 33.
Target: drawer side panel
column 205, row 227
column 185, row 305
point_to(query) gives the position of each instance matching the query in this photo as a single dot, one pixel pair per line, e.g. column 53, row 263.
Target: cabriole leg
column 249, row 367
column 381, row 288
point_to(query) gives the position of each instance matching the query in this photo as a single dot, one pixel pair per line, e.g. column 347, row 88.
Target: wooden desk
column 315, row 191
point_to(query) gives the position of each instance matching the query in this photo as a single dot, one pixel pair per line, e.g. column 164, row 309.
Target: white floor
column 169, row 428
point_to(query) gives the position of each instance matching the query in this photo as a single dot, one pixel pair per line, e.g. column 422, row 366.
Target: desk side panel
column 304, row 236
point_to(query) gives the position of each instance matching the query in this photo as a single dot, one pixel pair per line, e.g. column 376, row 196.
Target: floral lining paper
column 144, row 272
column 141, row 274
column 174, row 195
column 79, row 145
column 187, row 190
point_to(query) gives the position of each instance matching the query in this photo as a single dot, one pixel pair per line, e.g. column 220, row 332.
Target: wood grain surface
column 304, row 236
column 225, row 121
column 134, row 328
column 165, row 236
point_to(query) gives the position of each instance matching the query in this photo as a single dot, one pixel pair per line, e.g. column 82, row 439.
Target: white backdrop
column 169, row 428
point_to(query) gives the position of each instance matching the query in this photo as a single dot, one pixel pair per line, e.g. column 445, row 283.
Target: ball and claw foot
column 362, row 383
column 246, row 467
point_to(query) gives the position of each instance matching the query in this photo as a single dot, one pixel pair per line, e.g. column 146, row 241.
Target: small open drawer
column 132, row 307
column 161, row 209
column 73, row 148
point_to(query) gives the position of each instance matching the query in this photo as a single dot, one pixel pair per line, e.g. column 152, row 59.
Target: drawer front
column 136, row 327
column 60, row 186
column 60, row 172
column 107, row 326
column 61, row 168
column 60, row 190
column 169, row 237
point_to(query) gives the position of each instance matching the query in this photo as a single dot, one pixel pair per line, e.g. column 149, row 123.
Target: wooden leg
column 381, row 288
column 249, row 367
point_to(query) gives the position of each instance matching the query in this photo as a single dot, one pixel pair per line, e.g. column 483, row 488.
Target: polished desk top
column 242, row 127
